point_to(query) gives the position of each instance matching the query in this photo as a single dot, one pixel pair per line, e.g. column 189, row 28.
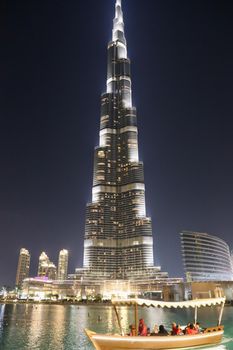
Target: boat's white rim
column 164, row 339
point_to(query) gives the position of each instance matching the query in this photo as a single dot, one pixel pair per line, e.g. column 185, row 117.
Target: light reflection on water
column 45, row 327
column 2, row 311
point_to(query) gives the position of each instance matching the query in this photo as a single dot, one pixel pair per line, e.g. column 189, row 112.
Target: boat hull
column 117, row 342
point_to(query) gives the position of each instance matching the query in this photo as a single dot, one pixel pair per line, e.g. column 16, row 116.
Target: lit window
column 101, row 154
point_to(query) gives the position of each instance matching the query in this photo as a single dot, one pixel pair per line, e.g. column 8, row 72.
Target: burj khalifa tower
column 118, row 242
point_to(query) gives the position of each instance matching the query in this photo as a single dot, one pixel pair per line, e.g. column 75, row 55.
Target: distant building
column 46, row 268
column 205, row 257
column 52, row 271
column 43, row 263
column 23, row 267
column 63, row 265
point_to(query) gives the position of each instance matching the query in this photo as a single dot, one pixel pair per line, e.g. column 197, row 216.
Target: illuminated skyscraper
column 118, row 234
column 43, row 261
column 62, row 265
column 46, row 268
column 23, row 266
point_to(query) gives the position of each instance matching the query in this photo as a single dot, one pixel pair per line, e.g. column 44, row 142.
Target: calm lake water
column 56, row 327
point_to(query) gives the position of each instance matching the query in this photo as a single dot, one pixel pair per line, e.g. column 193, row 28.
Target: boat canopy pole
column 119, row 321
column 195, row 317
column 220, row 315
column 136, row 317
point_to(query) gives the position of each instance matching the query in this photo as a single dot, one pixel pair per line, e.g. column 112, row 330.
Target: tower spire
column 118, row 24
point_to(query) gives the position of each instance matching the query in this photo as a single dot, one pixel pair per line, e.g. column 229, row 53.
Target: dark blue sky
column 53, row 70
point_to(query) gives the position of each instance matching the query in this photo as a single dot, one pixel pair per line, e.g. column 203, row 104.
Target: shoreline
column 62, row 303
column 65, row 303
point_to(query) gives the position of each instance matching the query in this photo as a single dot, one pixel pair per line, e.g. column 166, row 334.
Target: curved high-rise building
column 205, row 257
column 118, row 234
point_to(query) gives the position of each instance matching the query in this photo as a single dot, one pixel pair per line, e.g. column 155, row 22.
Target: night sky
column 53, row 71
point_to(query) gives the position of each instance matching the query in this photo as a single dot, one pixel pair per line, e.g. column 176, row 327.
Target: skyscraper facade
column 43, row 263
column 206, row 257
column 23, row 266
column 118, row 240
column 46, row 268
column 62, row 264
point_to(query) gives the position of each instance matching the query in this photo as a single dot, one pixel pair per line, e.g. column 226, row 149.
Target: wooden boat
column 210, row 336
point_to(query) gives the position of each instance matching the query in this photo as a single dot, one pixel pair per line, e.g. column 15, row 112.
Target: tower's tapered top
column 118, row 24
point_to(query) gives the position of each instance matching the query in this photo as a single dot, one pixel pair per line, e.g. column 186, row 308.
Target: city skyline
column 185, row 122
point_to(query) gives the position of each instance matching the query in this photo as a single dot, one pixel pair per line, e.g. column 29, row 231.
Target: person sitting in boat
column 179, row 330
column 197, row 327
column 142, row 328
column 191, row 330
column 155, row 330
column 162, row 331
column 174, row 329
column 132, row 330
column 185, row 329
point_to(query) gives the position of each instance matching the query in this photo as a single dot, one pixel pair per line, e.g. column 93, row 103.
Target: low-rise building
column 209, row 289
column 43, row 288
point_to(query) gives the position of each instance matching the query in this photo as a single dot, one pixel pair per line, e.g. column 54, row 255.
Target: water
column 58, row 327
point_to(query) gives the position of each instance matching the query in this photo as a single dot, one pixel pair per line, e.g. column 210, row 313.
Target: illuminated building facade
column 42, row 288
column 118, row 240
column 205, row 257
column 46, row 268
column 23, row 267
column 43, row 263
column 62, row 265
